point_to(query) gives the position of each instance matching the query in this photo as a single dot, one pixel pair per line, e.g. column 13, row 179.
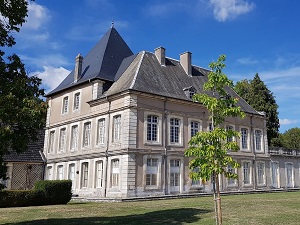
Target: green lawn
column 271, row 208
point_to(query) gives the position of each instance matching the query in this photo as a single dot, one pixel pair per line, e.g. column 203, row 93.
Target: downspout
column 165, row 142
column 106, row 151
column 254, row 154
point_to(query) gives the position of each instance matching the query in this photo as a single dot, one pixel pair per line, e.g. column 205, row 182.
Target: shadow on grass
column 171, row 216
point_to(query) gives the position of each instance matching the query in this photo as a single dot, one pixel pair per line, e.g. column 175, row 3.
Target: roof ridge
column 137, row 70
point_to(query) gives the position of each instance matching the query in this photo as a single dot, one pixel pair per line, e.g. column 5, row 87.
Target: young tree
column 256, row 93
column 22, row 112
column 209, row 149
column 290, row 139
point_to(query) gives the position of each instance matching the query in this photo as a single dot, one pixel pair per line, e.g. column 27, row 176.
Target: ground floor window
column 151, row 172
column 60, row 172
column 275, row 174
column 246, row 173
column 115, row 171
column 260, row 170
column 289, row 174
column 84, row 174
column 175, row 175
column 99, row 174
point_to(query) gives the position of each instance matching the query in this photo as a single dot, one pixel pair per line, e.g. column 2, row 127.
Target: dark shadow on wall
column 172, row 216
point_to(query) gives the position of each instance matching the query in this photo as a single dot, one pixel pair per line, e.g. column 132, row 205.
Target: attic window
column 189, row 92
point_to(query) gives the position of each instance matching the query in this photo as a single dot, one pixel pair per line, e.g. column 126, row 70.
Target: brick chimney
column 186, row 62
column 160, row 54
column 78, row 68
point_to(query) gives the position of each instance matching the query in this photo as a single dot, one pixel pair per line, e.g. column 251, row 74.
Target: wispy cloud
column 51, row 76
column 46, row 60
column 247, row 61
column 229, row 9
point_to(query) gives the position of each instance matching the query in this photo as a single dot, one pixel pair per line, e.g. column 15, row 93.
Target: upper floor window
column 195, row 127
column 244, row 138
column 76, row 101
column 152, row 127
column 101, row 131
column 117, row 128
column 74, row 137
column 189, row 92
column 258, row 139
column 62, row 140
column 65, row 105
column 174, row 130
column 87, row 134
column 51, row 142
column 229, row 127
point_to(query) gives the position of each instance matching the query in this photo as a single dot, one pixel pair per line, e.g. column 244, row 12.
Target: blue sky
column 256, row 36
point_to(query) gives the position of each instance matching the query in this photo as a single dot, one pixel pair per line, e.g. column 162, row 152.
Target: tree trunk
column 218, row 201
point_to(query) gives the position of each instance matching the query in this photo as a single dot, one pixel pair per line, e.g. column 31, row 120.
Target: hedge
column 44, row 193
column 56, row 191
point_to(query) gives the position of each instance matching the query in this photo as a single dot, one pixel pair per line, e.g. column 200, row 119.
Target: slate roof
column 31, row 155
column 102, row 62
column 145, row 74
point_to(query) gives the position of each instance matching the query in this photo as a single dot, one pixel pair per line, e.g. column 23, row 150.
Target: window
column 194, row 128
column 151, row 172
column 62, row 140
column 87, row 134
column 51, row 142
column 101, row 132
column 289, row 175
column 174, row 175
column 99, row 174
column 174, row 130
column 84, row 174
column 258, row 139
column 210, row 127
column 60, row 172
column 71, row 175
column 76, row 101
column 229, row 127
column 246, row 173
column 152, row 127
column 49, row 175
column 275, row 174
column 115, row 171
column 65, row 105
column 189, row 92
column 74, row 137
column 244, row 138
column 117, row 128
column 196, row 182
column 231, row 181
column 260, row 168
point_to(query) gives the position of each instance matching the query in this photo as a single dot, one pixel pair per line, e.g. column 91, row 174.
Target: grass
column 264, row 209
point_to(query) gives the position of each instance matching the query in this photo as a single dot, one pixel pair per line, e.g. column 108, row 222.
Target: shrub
column 20, row 198
column 55, row 191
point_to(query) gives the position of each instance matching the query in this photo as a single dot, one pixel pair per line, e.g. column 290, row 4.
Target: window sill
column 153, row 143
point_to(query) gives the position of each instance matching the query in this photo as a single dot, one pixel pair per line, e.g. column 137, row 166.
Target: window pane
column 101, row 131
column 174, row 130
column 87, row 134
column 76, row 101
column 258, row 140
column 74, row 137
column 244, row 133
column 194, row 128
column 152, row 124
column 84, row 174
column 117, row 128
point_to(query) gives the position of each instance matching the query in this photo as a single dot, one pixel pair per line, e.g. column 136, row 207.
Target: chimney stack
column 186, row 62
column 78, row 68
column 160, row 54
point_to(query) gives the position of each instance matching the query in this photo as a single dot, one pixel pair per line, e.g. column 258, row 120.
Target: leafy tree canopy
column 22, row 111
column 290, row 139
column 256, row 93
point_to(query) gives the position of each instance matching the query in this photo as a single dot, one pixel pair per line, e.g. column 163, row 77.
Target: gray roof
column 145, row 74
column 102, row 62
column 32, row 154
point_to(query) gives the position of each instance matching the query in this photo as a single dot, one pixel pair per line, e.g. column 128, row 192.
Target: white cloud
column 287, row 121
column 37, row 16
column 229, row 9
column 46, row 60
column 51, row 76
column 247, row 61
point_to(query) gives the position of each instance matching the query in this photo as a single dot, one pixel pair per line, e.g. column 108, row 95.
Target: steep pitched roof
column 145, row 74
column 102, row 62
column 31, row 155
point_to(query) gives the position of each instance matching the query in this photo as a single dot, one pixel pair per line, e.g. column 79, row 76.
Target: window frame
column 103, row 129
column 115, row 174
column 62, row 146
column 51, row 143
column 89, row 136
column 77, row 104
column 72, row 148
column 247, row 149
column 263, row 169
column 249, row 174
column 65, row 104
column 261, row 141
column 154, row 170
column 60, row 171
column 158, row 128
column 97, row 177
column 84, row 174
column 180, row 130
column 292, row 175
column 117, row 128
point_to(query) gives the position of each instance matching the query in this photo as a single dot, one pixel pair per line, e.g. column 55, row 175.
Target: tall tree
column 22, row 111
column 256, row 93
column 209, row 149
column 290, row 139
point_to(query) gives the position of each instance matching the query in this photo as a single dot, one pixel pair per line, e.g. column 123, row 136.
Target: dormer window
column 189, row 92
